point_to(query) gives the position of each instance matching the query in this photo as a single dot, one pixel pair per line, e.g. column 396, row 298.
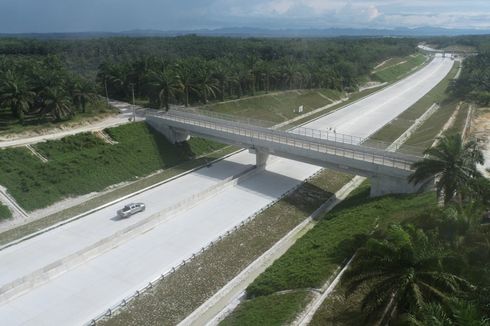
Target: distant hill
column 262, row 32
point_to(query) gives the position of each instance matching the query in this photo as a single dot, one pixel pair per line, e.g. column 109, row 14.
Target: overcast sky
column 20, row 16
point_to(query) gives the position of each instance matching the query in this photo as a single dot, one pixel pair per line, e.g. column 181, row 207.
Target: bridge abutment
column 385, row 185
column 171, row 134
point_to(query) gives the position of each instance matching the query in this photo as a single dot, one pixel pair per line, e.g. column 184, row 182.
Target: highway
column 76, row 292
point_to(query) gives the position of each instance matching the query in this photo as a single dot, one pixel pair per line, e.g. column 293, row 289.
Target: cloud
column 119, row 15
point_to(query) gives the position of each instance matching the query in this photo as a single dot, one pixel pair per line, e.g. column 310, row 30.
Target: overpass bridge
column 387, row 170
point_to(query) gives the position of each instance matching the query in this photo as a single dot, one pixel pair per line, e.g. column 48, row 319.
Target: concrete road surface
column 76, row 294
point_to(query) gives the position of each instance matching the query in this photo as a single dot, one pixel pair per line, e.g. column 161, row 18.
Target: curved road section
column 64, row 277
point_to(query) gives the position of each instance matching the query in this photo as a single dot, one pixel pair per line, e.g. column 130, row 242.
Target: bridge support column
column 261, row 156
column 173, row 135
column 383, row 185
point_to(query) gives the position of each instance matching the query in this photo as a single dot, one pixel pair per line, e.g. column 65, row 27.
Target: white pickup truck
column 131, row 209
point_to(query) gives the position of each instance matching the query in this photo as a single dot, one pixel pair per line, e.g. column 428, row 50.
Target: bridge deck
column 255, row 136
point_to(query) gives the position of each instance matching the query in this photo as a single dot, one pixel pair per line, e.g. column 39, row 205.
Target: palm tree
column 290, row 72
column 83, row 92
column 223, row 75
column 403, row 272
column 165, row 82
column 185, row 75
column 453, row 163
column 16, row 95
column 205, row 82
column 57, row 104
column 460, row 313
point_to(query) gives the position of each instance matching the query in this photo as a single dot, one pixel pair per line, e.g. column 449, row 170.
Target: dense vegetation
column 181, row 70
column 42, row 89
column 230, row 68
column 474, row 81
column 84, row 163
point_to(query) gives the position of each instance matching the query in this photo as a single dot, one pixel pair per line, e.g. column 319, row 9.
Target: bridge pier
column 261, row 156
column 384, row 185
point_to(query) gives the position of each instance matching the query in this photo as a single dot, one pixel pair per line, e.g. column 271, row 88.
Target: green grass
column 341, row 309
column 5, row 212
column 276, row 107
column 83, row 163
column 396, row 70
column 276, row 309
column 428, row 131
column 460, row 120
column 317, row 254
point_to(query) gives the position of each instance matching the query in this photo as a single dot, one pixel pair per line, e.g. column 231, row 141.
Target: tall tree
column 205, row 81
column 16, row 94
column 83, row 92
column 453, row 163
column 186, row 77
column 57, row 104
column 403, row 271
column 164, row 81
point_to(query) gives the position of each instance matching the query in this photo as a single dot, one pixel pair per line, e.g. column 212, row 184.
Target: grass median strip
column 183, row 291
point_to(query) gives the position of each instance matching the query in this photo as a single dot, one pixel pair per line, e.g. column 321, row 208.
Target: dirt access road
column 125, row 113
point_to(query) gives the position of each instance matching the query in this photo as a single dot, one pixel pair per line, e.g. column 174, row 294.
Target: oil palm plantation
column 57, row 104
column 402, row 272
column 163, row 82
column 206, row 83
column 186, row 77
column 16, row 94
column 458, row 313
column 83, row 92
column 453, row 163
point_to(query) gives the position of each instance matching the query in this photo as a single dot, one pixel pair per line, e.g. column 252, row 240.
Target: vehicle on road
column 131, row 209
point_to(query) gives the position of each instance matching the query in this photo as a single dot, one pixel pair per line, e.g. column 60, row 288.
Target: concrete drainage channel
column 43, row 275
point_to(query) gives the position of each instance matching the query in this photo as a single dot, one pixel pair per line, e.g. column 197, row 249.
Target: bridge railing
column 330, row 134
column 288, row 139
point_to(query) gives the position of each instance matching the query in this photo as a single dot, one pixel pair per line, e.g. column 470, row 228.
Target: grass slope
column 83, row 163
column 398, row 68
column 276, row 309
column 277, row 107
column 5, row 212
